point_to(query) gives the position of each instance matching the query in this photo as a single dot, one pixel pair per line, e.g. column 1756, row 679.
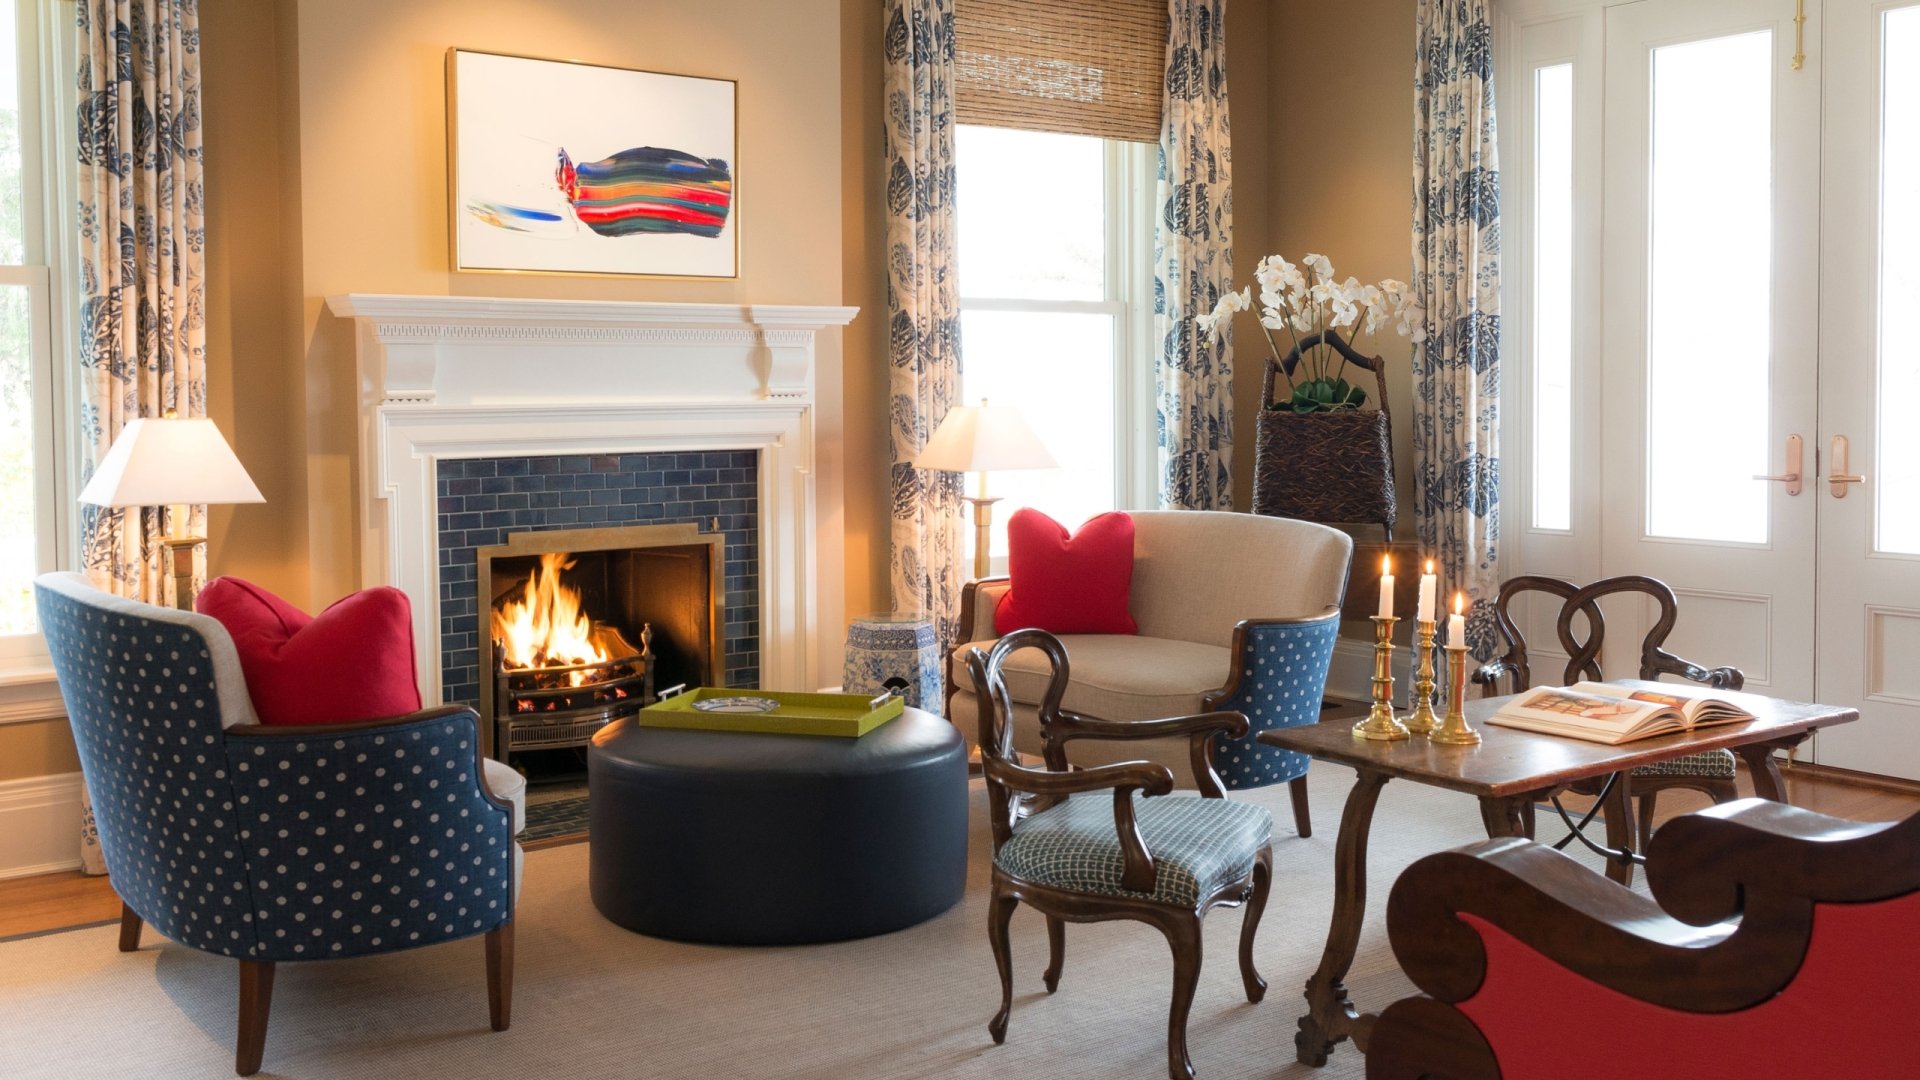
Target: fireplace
column 584, row 626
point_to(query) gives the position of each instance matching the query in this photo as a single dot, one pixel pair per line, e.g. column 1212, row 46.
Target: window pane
column 1899, row 457
column 1057, row 369
column 12, row 246
column 18, row 561
column 1032, row 214
column 1553, row 298
column 1709, row 329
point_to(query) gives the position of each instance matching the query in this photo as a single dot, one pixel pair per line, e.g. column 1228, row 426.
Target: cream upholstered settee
column 1208, row 587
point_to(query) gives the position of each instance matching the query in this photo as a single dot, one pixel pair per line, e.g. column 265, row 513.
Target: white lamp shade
column 161, row 462
column 984, row 438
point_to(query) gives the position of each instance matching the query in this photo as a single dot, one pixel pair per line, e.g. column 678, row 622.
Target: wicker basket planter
column 1333, row 467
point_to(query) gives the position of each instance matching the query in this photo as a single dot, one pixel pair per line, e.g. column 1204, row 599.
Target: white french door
column 1869, row 530
column 1737, row 293
column 1711, row 274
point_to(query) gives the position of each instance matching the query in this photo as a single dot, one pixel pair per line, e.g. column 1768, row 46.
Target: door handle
column 1839, row 478
column 1796, row 448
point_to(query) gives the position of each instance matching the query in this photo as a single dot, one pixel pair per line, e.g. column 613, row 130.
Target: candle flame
column 1386, row 564
column 1459, row 603
column 1429, row 566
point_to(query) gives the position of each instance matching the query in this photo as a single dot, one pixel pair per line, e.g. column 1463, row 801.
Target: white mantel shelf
column 443, row 377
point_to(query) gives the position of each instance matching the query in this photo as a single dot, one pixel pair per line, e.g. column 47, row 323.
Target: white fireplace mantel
column 461, row 377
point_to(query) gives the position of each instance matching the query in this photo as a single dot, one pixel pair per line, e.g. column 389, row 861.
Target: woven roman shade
column 1085, row 67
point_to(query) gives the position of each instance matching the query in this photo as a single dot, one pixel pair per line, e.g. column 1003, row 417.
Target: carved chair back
column 998, row 763
column 1583, row 652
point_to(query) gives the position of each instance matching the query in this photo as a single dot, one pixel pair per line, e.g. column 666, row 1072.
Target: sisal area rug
column 593, row 1000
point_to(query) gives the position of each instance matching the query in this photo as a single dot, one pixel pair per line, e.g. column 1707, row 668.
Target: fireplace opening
column 585, row 626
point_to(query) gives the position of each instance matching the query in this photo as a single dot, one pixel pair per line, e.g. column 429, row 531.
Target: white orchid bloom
column 1272, row 319
column 1375, row 300
column 1396, row 292
column 1321, row 266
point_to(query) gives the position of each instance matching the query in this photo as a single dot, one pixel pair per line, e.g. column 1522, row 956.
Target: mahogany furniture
column 749, row 838
column 276, row 844
column 1507, row 772
column 1783, row 944
column 1163, row 861
column 1710, row 773
column 1218, row 598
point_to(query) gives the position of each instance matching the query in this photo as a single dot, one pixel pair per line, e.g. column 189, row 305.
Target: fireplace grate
column 547, row 707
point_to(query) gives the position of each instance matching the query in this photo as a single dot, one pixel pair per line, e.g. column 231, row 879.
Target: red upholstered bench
column 1785, row 944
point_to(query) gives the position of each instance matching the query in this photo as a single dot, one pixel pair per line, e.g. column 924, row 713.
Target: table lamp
column 171, row 463
column 982, row 439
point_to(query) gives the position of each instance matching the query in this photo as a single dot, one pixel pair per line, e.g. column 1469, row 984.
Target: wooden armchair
column 1162, row 861
column 1784, row 943
column 1710, row 772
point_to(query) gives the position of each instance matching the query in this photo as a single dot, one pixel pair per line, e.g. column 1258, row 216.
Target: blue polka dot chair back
column 263, row 843
column 149, row 713
column 1282, row 678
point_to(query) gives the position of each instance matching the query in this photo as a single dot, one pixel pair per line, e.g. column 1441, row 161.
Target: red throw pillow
column 353, row 661
column 1068, row 584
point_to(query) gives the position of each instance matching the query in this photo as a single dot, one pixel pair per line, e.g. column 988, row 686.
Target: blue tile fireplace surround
column 483, row 500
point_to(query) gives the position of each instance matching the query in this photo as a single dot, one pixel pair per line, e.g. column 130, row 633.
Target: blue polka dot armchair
column 271, row 844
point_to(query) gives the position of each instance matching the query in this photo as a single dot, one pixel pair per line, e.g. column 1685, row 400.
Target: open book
column 1605, row 713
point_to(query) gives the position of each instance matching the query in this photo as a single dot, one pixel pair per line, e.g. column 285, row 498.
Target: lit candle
column 1386, row 586
column 1457, row 623
column 1428, row 586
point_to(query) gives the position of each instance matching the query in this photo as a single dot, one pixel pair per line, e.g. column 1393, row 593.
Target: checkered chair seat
column 1709, row 764
column 1198, row 845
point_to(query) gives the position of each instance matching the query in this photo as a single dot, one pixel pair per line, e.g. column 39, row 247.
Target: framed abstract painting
column 561, row 167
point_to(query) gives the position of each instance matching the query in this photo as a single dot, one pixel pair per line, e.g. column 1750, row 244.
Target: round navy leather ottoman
column 750, row 839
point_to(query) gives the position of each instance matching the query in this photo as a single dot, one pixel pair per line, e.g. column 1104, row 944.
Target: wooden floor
column 50, row 902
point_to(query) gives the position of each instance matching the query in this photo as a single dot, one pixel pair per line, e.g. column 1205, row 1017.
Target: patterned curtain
column 1456, row 278
column 923, row 305
column 1193, row 263
column 142, row 270
column 142, row 257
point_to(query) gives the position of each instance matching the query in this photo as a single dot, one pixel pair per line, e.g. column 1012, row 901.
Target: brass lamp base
column 982, row 531
column 180, row 557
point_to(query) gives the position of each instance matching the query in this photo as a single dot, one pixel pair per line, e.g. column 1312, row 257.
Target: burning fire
column 546, row 627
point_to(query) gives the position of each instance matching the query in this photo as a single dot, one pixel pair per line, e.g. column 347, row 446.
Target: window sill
column 28, row 695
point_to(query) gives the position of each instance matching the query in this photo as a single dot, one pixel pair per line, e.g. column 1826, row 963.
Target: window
column 35, row 514
column 1553, row 297
column 1055, row 249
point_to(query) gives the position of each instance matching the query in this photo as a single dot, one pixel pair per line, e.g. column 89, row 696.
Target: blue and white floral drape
column 923, row 306
column 142, row 268
column 1456, row 278
column 1193, row 263
column 142, row 256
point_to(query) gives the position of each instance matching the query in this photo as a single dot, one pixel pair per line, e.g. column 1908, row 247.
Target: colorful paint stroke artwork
column 575, row 168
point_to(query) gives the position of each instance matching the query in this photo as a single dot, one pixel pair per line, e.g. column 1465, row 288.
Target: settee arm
column 1737, row 886
column 367, row 837
column 979, row 599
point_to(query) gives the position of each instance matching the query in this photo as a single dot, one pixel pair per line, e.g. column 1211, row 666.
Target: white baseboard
column 39, row 825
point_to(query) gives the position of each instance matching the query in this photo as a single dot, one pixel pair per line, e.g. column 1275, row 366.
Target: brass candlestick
column 1380, row 724
column 1422, row 721
column 1453, row 731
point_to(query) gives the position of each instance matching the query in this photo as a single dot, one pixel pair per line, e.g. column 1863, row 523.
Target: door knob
column 1839, row 478
column 1795, row 449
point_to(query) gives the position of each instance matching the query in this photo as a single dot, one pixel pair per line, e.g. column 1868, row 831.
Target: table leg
column 1766, row 772
column 1506, row 816
column 1330, row 1016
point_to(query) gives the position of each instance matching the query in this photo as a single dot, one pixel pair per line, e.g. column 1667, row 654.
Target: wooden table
column 1508, row 772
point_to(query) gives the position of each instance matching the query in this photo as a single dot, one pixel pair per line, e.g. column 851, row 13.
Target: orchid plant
column 1315, row 313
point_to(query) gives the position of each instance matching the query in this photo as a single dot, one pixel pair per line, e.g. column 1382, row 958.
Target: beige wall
column 1341, row 106
column 866, row 455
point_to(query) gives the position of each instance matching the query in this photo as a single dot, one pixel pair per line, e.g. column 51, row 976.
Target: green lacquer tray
column 846, row 716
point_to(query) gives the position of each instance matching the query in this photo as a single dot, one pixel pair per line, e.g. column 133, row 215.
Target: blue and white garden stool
column 894, row 648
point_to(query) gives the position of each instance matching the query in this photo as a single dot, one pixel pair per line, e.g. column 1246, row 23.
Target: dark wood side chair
column 1710, row 772
column 1162, row 861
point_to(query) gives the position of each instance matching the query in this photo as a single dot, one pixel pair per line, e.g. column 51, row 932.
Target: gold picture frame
column 549, row 173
